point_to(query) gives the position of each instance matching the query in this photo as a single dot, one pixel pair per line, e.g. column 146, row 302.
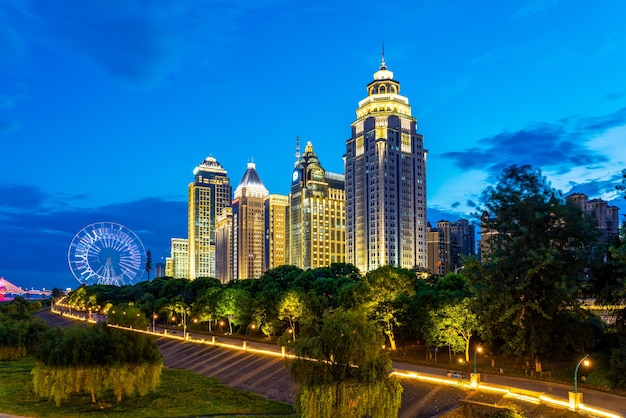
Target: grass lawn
column 180, row 394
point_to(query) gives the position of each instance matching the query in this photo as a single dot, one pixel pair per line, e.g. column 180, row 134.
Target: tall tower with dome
column 385, row 178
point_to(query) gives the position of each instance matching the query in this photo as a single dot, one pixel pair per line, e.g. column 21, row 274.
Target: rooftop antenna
column 297, row 147
column 383, row 66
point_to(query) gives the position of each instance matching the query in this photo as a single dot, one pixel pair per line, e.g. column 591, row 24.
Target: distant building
column 177, row 265
column 316, row 214
column 448, row 243
column 607, row 216
column 208, row 195
column 223, row 246
column 276, row 230
column 385, row 181
column 486, row 235
column 435, row 248
column 159, row 269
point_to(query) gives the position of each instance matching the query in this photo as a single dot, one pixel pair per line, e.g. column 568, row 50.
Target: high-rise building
column 276, row 230
column 435, row 258
column 208, row 195
column 177, row 264
column 448, row 243
column 248, row 226
column 462, row 242
column 159, row 269
column 223, row 247
column 385, row 181
column 606, row 216
column 316, row 214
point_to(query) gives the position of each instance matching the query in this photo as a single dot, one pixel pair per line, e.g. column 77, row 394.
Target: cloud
column 532, row 8
column 559, row 146
column 129, row 41
column 9, row 101
column 600, row 124
column 140, row 41
column 9, row 127
column 36, row 231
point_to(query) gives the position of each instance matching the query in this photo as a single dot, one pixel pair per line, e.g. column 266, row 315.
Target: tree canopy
column 527, row 287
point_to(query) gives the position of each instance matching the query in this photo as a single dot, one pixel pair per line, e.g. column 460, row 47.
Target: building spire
column 383, row 66
column 297, row 147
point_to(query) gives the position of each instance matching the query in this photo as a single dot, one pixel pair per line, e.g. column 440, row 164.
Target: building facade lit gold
column 276, row 232
column 385, row 181
column 223, row 246
column 208, row 195
column 179, row 259
column 248, row 227
column 316, row 214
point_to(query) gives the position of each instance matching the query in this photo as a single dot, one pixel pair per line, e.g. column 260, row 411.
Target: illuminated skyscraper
column 248, row 226
column 316, row 214
column 276, row 232
column 177, row 265
column 209, row 194
column 385, row 166
column 223, row 247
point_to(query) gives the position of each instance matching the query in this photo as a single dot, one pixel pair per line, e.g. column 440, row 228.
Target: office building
column 448, row 244
column 223, row 247
column 385, row 181
column 316, row 214
column 177, row 264
column 208, row 195
column 247, row 240
column 606, row 216
column 276, row 230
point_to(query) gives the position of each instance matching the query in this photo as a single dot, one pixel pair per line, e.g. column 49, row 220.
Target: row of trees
column 19, row 330
column 96, row 360
column 523, row 299
column 92, row 359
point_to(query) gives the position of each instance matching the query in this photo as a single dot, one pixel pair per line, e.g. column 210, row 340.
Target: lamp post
column 582, row 360
column 184, row 324
column 478, row 349
column 154, row 317
column 248, row 327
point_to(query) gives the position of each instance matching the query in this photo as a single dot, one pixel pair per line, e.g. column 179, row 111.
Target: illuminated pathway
column 260, row 367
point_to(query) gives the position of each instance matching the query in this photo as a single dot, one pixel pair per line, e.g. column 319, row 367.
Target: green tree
column 292, row 309
column 20, row 332
column 127, row 315
column 205, row 306
column 390, row 290
column 96, row 359
column 234, row 305
column 343, row 372
column 534, row 265
column 453, row 324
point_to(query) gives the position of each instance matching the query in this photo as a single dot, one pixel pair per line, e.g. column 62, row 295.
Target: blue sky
column 106, row 106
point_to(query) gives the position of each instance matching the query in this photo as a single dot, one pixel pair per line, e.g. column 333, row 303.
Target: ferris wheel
column 106, row 253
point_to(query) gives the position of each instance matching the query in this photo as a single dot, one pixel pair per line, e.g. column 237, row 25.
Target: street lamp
column 582, row 361
column 248, row 327
column 478, row 349
column 154, row 317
